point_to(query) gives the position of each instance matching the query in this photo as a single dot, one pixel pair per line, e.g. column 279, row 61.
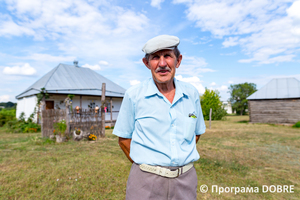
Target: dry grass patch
column 243, row 154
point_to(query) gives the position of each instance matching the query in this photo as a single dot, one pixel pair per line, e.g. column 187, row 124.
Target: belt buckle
column 177, row 173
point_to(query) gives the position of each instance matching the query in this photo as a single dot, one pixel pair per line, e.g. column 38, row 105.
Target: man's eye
column 167, row 55
column 155, row 57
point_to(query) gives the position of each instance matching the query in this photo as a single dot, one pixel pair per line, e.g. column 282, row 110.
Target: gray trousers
column 145, row 186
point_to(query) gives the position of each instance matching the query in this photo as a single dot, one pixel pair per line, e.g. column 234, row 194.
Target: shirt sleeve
column 125, row 122
column 200, row 124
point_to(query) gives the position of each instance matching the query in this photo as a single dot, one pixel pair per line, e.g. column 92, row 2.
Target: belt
column 165, row 172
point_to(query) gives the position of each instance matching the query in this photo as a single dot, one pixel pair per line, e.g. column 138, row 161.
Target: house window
column 92, row 104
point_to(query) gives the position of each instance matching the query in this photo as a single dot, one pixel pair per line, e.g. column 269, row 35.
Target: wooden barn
column 278, row 102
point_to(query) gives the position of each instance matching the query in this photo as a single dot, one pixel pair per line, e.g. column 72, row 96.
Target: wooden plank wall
column 281, row 111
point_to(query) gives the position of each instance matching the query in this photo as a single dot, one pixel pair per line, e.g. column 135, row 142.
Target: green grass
column 234, row 153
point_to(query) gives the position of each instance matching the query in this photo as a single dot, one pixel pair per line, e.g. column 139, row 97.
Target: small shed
column 84, row 83
column 277, row 102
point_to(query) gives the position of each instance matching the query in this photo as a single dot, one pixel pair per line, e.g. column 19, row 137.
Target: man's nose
column 162, row 62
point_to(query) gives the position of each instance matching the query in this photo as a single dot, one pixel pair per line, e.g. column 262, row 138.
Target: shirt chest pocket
column 189, row 128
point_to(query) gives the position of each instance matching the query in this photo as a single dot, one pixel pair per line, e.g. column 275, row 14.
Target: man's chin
column 163, row 79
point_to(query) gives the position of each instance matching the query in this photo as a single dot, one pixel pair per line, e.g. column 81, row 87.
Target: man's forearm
column 124, row 143
column 197, row 138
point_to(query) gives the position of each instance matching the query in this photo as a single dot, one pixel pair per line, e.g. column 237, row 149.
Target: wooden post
column 81, row 102
column 102, row 110
column 42, row 108
column 111, row 111
column 210, row 111
column 67, row 118
column 249, row 108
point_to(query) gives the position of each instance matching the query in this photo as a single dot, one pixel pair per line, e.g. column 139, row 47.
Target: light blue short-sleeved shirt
column 162, row 133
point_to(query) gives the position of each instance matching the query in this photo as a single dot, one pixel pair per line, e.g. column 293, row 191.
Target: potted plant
column 77, row 131
column 60, row 129
column 77, row 134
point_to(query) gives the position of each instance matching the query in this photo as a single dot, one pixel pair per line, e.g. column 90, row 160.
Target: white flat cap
column 160, row 42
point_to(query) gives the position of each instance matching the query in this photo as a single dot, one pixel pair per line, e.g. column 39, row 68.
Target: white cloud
column 193, row 66
column 230, row 82
column 4, row 98
column 156, row 3
column 195, row 81
column 213, row 84
column 223, row 91
column 48, row 58
column 182, row 1
column 231, row 41
column 78, row 27
column 293, row 11
column 277, row 59
column 134, row 82
column 222, row 88
column 261, row 80
column 102, row 62
column 9, row 28
column 92, row 67
column 25, row 70
column 268, row 31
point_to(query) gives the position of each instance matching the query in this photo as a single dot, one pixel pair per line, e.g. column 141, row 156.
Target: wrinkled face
column 163, row 65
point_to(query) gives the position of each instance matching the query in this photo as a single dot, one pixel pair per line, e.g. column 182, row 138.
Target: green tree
column 8, row 105
column 239, row 94
column 211, row 99
column 7, row 115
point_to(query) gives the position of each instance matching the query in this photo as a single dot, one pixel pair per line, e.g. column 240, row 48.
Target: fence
column 49, row 117
column 87, row 120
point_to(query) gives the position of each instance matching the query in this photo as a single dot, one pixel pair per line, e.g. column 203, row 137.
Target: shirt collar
column 179, row 91
column 152, row 90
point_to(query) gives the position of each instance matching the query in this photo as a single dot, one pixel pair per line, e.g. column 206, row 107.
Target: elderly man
column 159, row 124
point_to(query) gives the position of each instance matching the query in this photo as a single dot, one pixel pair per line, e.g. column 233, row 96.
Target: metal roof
column 279, row 88
column 70, row 79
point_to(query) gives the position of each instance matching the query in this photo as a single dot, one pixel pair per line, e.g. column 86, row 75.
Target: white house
column 64, row 79
column 227, row 107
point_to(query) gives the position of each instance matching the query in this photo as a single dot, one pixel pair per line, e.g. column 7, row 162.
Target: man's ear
column 145, row 61
column 179, row 59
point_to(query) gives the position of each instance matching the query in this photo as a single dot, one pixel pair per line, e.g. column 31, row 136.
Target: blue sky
column 222, row 42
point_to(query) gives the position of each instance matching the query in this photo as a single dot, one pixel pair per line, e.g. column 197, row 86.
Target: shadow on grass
column 243, row 121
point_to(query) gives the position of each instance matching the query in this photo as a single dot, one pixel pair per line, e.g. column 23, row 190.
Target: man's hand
column 124, row 143
column 197, row 138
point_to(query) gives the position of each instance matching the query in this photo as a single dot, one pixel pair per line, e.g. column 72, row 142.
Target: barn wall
column 274, row 111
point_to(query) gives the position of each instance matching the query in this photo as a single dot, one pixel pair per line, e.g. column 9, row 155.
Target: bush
column 60, row 127
column 22, row 125
column 211, row 99
column 7, row 115
column 297, row 125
